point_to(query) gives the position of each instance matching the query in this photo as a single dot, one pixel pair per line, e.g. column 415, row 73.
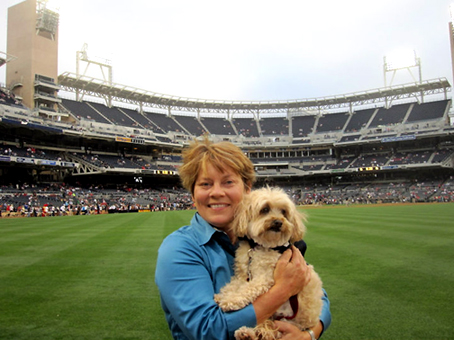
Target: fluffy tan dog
column 266, row 223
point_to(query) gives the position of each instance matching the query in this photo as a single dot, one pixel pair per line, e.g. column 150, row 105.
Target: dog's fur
column 267, row 218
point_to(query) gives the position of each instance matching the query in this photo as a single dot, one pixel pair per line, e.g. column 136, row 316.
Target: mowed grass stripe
column 403, row 216
column 39, row 228
column 51, row 236
column 105, row 266
column 44, row 238
column 387, row 271
column 422, row 250
column 397, row 232
column 393, row 274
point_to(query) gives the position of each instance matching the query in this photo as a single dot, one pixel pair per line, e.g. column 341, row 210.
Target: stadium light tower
column 451, row 36
column 104, row 66
column 47, row 18
column 451, row 40
column 401, row 60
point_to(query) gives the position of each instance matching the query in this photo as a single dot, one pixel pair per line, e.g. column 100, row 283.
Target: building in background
column 33, row 40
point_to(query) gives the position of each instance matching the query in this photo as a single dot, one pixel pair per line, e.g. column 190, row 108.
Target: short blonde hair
column 220, row 155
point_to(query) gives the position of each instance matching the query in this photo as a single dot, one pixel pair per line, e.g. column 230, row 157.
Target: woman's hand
column 290, row 276
column 291, row 332
column 291, row 273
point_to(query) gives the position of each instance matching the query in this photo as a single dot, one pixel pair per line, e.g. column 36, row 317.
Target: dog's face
column 269, row 217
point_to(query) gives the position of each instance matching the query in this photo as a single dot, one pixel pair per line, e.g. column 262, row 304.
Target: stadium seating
column 246, row 127
column 321, row 157
column 332, row 122
column 114, row 115
column 218, row 126
column 367, row 124
column 302, row 126
column 274, row 126
column 191, row 124
column 164, row 122
column 390, row 116
column 84, row 110
column 359, row 120
column 428, row 111
column 138, row 120
column 8, row 98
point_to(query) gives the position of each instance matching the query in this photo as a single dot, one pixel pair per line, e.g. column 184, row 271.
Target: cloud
column 252, row 50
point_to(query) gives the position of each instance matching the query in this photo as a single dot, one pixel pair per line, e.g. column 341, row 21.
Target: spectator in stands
column 197, row 260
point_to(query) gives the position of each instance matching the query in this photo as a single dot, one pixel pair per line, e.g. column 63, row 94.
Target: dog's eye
column 284, row 212
column 265, row 210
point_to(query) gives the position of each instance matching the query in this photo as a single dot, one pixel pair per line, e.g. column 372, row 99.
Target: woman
column 195, row 261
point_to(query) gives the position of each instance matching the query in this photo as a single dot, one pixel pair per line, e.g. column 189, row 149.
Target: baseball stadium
column 89, row 176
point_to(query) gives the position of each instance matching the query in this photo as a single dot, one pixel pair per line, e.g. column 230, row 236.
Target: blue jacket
column 190, row 269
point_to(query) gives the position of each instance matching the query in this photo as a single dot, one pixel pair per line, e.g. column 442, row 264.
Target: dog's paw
column 235, row 303
column 228, row 306
column 245, row 333
column 219, row 298
column 230, row 303
column 223, row 302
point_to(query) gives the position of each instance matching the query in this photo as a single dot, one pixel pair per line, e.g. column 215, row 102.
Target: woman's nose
column 216, row 190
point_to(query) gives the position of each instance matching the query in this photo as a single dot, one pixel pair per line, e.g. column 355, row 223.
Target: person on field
column 196, row 261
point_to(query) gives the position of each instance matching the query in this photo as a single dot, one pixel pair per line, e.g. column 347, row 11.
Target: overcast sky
column 251, row 50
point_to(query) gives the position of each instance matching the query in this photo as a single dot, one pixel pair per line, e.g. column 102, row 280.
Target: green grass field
column 388, row 271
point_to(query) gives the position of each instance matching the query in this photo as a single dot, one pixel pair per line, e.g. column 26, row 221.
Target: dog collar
column 283, row 248
column 254, row 244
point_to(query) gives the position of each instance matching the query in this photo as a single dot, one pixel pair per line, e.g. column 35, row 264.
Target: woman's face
column 216, row 195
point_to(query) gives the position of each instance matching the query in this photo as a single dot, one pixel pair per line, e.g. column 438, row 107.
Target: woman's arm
column 290, row 276
column 292, row 332
column 184, row 275
column 325, row 315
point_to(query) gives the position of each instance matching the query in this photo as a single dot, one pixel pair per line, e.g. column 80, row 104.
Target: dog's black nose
column 276, row 225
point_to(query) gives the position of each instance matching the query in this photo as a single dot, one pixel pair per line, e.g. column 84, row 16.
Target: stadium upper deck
column 94, row 120
column 398, row 120
column 131, row 95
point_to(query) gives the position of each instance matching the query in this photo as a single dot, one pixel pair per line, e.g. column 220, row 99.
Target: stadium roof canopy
column 85, row 85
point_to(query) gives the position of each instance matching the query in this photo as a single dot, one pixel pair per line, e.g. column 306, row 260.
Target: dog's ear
column 297, row 219
column 242, row 217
